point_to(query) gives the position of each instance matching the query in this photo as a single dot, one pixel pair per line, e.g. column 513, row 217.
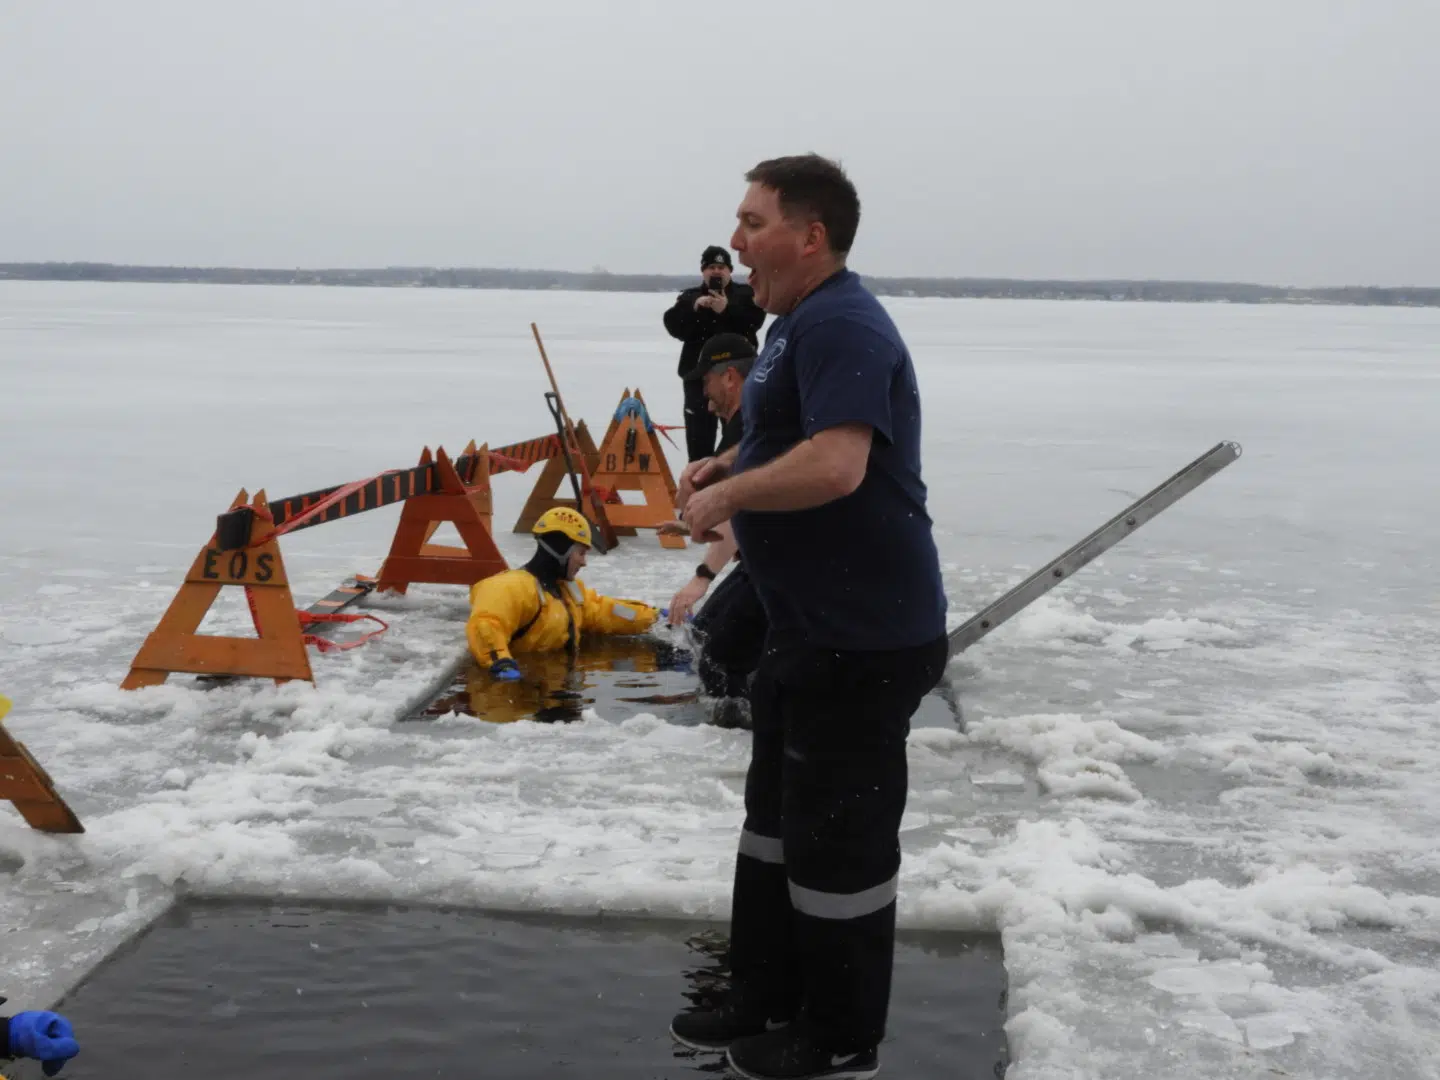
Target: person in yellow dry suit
column 541, row 606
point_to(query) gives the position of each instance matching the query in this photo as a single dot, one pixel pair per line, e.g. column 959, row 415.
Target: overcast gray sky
column 1284, row 141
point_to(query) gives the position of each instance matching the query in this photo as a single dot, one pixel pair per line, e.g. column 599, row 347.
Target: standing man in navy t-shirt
column 825, row 497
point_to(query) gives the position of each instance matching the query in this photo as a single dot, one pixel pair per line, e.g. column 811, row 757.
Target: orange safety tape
column 326, row 645
column 338, row 495
column 308, row 617
column 508, row 463
column 254, row 615
column 342, row 493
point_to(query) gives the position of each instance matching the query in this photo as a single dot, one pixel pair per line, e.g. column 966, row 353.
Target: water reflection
column 618, row 677
column 372, row 992
column 950, row 989
column 640, row 674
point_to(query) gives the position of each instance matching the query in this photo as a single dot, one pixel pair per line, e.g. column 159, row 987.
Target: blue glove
column 505, row 670
column 45, row 1036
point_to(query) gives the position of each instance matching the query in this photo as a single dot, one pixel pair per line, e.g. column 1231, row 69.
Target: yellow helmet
column 563, row 519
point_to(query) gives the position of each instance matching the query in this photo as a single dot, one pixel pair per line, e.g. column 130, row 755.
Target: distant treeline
column 425, row 277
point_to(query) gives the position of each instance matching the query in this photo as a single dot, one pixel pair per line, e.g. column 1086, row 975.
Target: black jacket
column 694, row 328
column 731, row 432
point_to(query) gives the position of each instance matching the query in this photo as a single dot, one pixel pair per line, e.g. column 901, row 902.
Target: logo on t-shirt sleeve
column 767, row 360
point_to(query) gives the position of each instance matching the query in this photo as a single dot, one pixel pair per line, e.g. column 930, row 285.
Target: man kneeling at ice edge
column 541, row 606
column 45, row 1036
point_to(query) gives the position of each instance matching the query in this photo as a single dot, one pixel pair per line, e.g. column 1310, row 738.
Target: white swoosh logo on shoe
column 842, row 1059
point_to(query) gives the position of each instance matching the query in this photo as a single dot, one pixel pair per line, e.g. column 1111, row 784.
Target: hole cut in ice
column 242, row 990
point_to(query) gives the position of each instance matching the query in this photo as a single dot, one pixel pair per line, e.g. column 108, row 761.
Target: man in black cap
column 730, row 626
column 717, row 305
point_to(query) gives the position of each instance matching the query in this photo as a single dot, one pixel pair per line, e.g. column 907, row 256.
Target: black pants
column 701, row 425
column 730, row 628
column 813, row 920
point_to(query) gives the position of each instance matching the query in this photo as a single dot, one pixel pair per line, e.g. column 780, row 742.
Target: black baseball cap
column 720, row 350
column 716, row 254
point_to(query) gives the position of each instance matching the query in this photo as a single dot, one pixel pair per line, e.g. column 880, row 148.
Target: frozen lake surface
column 1196, row 792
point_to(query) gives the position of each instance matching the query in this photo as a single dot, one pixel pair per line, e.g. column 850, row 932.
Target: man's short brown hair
column 813, row 188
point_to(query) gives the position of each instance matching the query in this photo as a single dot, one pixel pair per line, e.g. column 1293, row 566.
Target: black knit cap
column 720, row 350
column 716, row 254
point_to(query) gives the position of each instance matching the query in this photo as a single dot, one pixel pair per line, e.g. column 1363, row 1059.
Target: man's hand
column 706, row 301
column 697, row 475
column 686, row 598
column 719, row 303
column 707, row 508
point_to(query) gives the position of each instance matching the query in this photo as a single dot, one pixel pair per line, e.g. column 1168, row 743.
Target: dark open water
column 616, row 676
column 256, row 991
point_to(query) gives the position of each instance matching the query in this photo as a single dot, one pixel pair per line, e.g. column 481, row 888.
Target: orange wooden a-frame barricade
column 545, row 495
column 248, row 556
column 24, row 783
column 278, row 650
column 244, row 550
column 631, row 460
column 468, row 506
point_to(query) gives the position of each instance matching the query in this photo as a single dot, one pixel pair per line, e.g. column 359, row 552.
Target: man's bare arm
column 703, row 473
column 828, row 466
column 720, row 552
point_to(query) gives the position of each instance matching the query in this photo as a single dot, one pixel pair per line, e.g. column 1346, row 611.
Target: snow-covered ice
column 1197, row 787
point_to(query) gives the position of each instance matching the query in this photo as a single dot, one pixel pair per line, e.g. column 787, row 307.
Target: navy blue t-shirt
column 860, row 572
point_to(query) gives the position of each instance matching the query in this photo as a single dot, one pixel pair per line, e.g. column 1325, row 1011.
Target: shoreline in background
column 424, row 277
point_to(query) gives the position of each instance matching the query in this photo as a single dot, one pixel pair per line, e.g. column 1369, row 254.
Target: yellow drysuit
column 511, row 610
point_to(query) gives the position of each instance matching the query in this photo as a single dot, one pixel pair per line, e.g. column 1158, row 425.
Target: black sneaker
column 731, row 712
column 792, row 1055
column 717, row 1028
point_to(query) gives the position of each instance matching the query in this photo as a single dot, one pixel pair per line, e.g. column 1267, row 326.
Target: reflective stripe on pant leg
column 768, row 849
column 763, row 961
column 846, row 722
column 829, row 905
